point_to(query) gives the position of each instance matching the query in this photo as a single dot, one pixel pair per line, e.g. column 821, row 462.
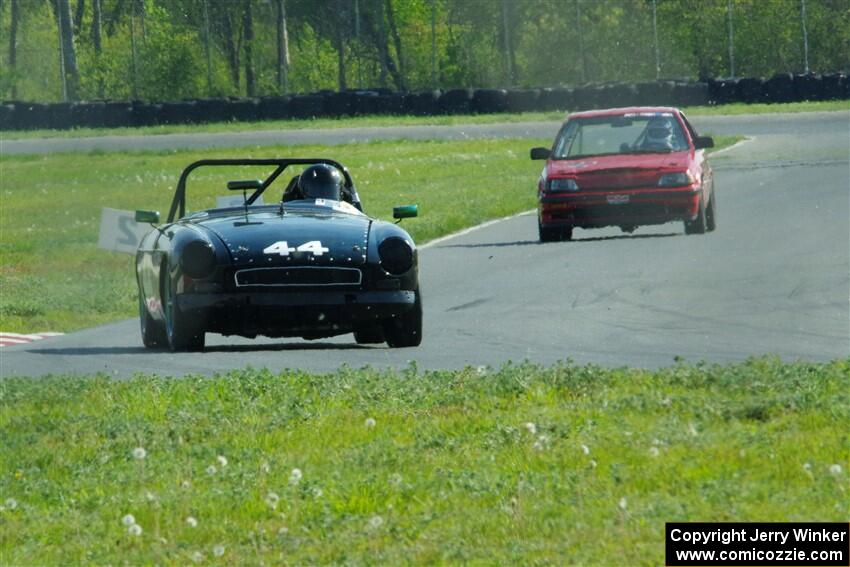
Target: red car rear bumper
column 619, row 208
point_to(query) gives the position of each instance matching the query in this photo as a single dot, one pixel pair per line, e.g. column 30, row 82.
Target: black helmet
column 321, row 181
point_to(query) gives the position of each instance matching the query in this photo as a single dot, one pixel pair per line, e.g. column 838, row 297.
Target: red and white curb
column 11, row 339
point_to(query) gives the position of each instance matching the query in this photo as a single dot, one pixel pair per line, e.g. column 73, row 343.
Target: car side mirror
column 405, row 212
column 540, row 153
column 244, row 185
column 151, row 217
column 702, row 142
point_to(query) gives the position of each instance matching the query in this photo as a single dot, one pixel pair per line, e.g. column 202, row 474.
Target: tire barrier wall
column 781, row 88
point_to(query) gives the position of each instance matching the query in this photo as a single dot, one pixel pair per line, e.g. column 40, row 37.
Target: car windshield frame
column 573, row 131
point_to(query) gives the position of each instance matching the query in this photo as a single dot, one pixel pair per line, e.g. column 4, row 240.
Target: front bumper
column 619, row 208
column 279, row 314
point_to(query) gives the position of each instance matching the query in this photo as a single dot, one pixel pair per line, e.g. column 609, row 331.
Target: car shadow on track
column 573, row 241
column 94, row 351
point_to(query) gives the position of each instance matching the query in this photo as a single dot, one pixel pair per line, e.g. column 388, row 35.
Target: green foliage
column 522, row 465
column 546, row 37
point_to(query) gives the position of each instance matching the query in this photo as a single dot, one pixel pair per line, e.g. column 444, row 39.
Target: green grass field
column 520, row 466
column 54, row 278
column 377, row 121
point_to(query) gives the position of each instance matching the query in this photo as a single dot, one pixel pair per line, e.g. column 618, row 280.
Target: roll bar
column 178, row 204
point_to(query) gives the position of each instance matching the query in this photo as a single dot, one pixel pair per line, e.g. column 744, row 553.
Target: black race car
column 311, row 265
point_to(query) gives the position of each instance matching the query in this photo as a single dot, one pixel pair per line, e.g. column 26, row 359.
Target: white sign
column 119, row 231
column 234, row 201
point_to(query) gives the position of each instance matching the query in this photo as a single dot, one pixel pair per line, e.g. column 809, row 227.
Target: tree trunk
column 208, row 46
column 69, row 55
column 340, row 50
column 248, row 25
column 378, row 31
column 112, row 21
column 13, row 47
column 397, row 42
column 96, row 39
column 282, row 48
column 231, row 47
column 78, row 17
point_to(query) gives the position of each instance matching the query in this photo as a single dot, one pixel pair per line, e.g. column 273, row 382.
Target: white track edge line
column 733, row 146
column 473, row 229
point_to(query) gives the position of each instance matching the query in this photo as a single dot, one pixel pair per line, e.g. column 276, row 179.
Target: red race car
column 625, row 167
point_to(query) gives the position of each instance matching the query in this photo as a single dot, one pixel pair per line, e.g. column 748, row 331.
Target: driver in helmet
column 321, row 181
column 658, row 134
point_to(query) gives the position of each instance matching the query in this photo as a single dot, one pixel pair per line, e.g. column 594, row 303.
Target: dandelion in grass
column 530, row 427
column 592, row 464
column 139, row 453
column 128, row 520
column 585, row 449
column 375, row 522
column 295, row 476
column 272, row 499
column 197, row 557
column 150, row 496
column 222, row 461
column 807, row 467
column 185, row 484
column 11, row 504
column 283, row 531
column 317, row 493
column 218, row 550
column 481, row 370
column 395, row 479
column 211, row 470
column 623, row 504
column 135, row 530
column 192, row 522
column 654, row 451
column 835, row 470
column 370, row 422
column 692, row 429
column 265, row 468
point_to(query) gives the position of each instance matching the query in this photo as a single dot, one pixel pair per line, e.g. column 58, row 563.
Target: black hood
column 345, row 236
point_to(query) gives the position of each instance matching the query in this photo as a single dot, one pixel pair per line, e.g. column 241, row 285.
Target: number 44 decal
column 281, row 248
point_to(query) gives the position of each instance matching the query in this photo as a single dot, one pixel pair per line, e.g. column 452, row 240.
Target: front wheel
column 711, row 214
column 184, row 333
column 405, row 330
column 153, row 333
column 698, row 225
column 554, row 234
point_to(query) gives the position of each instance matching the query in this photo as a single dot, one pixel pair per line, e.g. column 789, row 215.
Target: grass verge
column 524, row 465
column 379, row 121
column 54, row 278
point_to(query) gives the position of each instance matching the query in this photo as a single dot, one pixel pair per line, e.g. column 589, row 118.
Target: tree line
column 174, row 49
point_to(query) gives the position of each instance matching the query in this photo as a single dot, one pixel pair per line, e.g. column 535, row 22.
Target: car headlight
column 396, row 255
column 198, row 259
column 563, row 185
column 679, row 179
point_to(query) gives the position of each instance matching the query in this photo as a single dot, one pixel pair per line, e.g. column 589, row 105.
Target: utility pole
column 133, row 49
column 507, row 43
column 62, row 55
column 655, row 34
column 433, row 44
column 581, row 43
column 805, row 36
column 207, row 47
column 731, row 39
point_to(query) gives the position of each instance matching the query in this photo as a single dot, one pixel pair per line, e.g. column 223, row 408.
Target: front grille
column 297, row 276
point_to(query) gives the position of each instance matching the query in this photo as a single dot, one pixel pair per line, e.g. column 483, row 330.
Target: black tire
column 567, row 233
column 183, row 333
column 405, row 330
column 549, row 234
column 369, row 335
column 153, row 332
column 711, row 214
column 697, row 226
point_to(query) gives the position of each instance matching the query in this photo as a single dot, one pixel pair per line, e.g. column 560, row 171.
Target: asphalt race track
column 774, row 278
